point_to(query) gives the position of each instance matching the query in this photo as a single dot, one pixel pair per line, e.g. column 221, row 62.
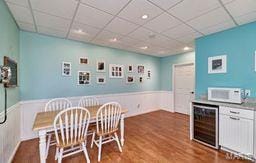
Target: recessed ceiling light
column 186, row 48
column 79, row 31
column 113, row 40
column 144, row 16
column 144, row 47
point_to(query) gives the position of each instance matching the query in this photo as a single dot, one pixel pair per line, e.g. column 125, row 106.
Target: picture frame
column 217, row 64
column 141, row 69
column 101, row 80
column 130, row 79
column 83, row 61
column 130, row 68
column 66, row 69
column 84, row 78
column 148, row 74
column 101, row 66
column 116, row 71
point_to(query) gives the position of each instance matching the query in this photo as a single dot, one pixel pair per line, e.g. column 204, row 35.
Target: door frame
column 173, row 79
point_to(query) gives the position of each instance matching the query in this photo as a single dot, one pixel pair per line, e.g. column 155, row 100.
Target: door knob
column 192, row 92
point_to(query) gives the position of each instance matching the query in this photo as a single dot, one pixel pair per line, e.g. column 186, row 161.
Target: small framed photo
column 83, row 60
column 130, row 79
column 101, row 66
column 217, row 64
column 84, row 78
column 66, row 68
column 101, row 80
column 140, row 79
column 130, row 68
column 141, row 69
column 116, row 71
column 149, row 74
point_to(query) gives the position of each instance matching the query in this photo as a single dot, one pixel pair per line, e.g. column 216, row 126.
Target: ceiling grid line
column 73, row 18
column 114, row 16
column 33, row 16
column 224, row 7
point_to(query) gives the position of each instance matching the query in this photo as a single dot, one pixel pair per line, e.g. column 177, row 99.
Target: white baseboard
column 136, row 102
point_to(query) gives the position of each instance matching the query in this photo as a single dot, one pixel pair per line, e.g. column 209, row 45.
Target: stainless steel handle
column 234, row 112
column 205, row 107
column 234, row 118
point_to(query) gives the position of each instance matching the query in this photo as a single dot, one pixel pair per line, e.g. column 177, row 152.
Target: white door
column 184, row 78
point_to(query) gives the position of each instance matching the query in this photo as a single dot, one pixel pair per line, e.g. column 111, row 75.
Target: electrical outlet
column 247, row 92
column 138, row 106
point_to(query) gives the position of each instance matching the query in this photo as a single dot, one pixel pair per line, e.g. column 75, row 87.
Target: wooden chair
column 88, row 101
column 70, row 128
column 107, row 120
column 55, row 105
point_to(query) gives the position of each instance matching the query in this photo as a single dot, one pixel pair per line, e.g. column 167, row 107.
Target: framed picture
column 130, row 68
column 130, row 79
column 116, row 71
column 140, row 79
column 141, row 69
column 84, row 77
column 83, row 60
column 149, row 74
column 101, row 80
column 217, row 64
column 101, row 66
column 66, row 68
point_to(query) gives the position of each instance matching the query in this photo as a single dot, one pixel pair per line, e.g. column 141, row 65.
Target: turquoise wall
column 166, row 67
column 239, row 44
column 9, row 46
column 41, row 58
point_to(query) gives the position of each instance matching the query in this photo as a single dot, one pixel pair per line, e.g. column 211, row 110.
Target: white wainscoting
column 10, row 134
column 136, row 102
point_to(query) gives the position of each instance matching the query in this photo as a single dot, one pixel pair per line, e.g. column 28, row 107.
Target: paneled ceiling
column 170, row 25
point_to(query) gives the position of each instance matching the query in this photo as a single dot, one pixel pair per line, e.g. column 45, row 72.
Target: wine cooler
column 205, row 124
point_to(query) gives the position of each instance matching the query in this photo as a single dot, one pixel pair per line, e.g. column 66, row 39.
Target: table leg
column 122, row 129
column 42, row 146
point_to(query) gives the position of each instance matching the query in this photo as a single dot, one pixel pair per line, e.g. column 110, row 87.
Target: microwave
column 229, row 95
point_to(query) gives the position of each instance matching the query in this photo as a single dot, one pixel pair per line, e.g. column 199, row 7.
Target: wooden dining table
column 44, row 123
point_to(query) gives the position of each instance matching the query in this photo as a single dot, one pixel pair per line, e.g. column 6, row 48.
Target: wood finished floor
column 158, row 136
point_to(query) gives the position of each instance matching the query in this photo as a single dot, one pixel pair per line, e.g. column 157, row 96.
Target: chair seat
column 62, row 144
column 105, row 133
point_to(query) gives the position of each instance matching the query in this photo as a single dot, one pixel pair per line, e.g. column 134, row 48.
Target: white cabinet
column 236, row 132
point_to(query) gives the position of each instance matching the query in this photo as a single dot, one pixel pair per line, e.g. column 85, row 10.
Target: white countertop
column 246, row 105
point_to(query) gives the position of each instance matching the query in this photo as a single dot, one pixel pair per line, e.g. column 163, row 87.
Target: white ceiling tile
column 61, row 8
column 51, row 32
column 162, row 22
column 92, row 16
column 121, row 26
column 179, row 31
column 23, row 3
column 51, row 21
column 166, row 4
column 89, row 32
column 137, row 8
column 162, row 41
column 241, row 7
column 26, row 26
column 247, row 18
column 189, row 37
column 110, row 6
column 210, row 19
column 189, row 9
column 141, row 34
column 218, row 27
column 21, row 13
column 106, row 36
column 129, row 41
